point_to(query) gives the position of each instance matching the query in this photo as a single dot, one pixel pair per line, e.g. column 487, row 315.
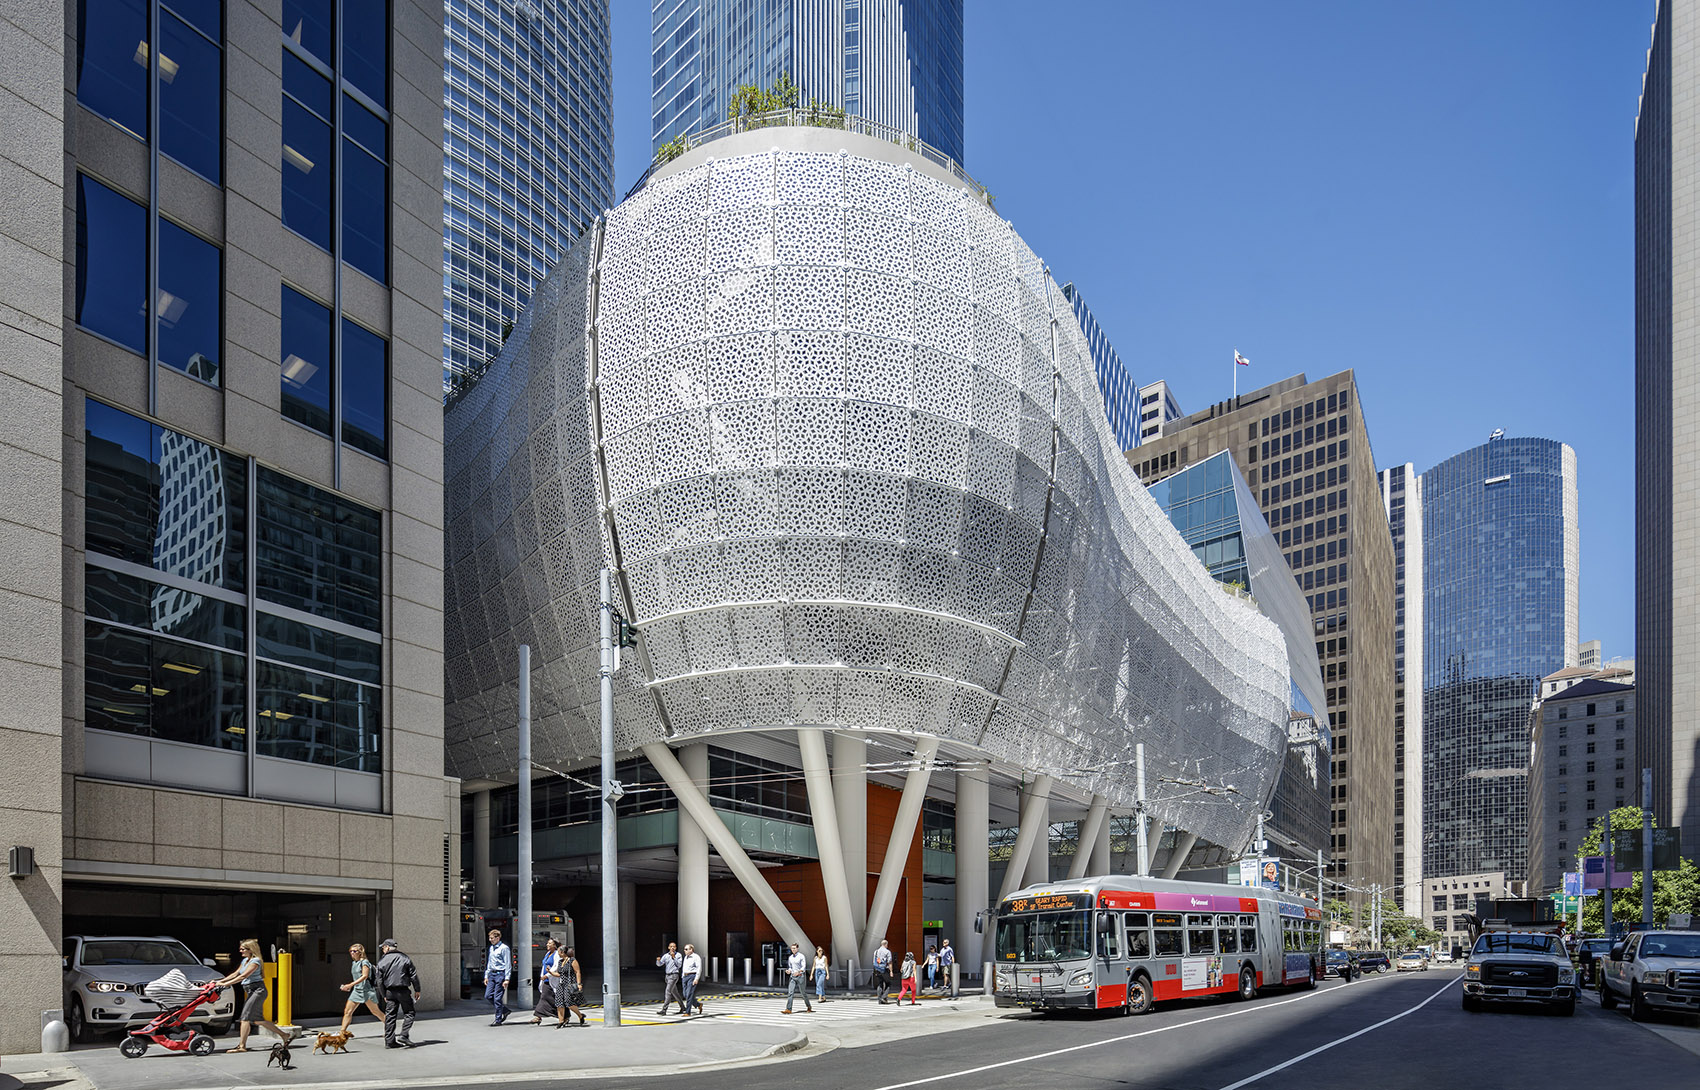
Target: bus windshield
column 1044, row 936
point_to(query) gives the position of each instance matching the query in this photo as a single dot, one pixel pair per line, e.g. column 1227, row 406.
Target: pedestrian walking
column 362, row 989
column 882, row 971
column 400, row 981
column 796, row 980
column 911, row 979
column 549, row 991
column 690, row 971
column 572, row 979
column 820, row 974
column 672, row 966
column 498, row 974
column 250, row 974
column 932, row 967
column 947, row 958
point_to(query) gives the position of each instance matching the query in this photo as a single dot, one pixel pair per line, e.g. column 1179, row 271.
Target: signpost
column 1596, row 876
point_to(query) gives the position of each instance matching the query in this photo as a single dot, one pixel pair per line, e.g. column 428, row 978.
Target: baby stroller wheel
column 201, row 1045
column 132, row 1047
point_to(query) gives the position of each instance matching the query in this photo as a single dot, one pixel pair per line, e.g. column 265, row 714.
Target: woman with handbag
column 549, row 994
column 572, row 979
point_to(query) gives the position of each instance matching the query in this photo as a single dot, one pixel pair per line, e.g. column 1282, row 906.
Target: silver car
column 102, row 973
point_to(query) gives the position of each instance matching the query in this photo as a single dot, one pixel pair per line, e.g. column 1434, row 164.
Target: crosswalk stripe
column 756, row 1010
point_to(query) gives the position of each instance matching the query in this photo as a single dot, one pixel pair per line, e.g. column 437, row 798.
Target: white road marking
column 1112, row 1040
column 1247, row 1081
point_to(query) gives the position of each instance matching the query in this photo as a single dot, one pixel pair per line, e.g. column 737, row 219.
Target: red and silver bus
column 1123, row 942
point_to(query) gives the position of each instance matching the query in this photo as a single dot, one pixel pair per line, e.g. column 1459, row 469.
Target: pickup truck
column 1519, row 967
column 1652, row 970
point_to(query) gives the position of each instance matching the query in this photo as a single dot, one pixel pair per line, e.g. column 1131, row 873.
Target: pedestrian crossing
column 768, row 1010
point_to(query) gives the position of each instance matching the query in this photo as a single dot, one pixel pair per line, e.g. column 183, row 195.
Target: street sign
column 1667, row 849
column 1594, row 874
column 1573, row 883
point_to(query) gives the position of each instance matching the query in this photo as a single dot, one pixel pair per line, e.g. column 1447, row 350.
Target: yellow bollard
column 285, row 990
column 269, row 972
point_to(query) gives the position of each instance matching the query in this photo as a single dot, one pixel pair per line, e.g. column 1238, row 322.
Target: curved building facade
column 838, row 433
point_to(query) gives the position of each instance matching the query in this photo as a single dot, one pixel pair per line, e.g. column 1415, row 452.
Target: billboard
column 1594, row 874
column 1264, row 872
column 1667, row 849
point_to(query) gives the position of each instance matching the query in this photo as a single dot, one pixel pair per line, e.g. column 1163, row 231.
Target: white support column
column 1034, row 827
column 693, row 800
column 1100, row 861
column 1177, row 855
column 898, row 848
column 1039, row 860
column 817, row 778
column 973, row 883
column 850, row 789
column 693, row 857
column 483, row 874
column 1088, row 833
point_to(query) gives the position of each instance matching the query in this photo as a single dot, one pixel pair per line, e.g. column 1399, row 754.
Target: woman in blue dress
column 362, row 988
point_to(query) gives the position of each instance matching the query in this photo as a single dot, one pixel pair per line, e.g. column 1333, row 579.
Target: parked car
column 101, row 977
column 1441, row 957
column 1519, row 967
column 1412, row 962
column 1589, row 954
column 1374, row 961
column 1653, row 970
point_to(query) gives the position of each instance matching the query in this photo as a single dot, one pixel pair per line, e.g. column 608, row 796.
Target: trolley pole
column 522, row 925
column 1605, row 894
column 1139, row 832
column 1647, row 847
column 611, row 792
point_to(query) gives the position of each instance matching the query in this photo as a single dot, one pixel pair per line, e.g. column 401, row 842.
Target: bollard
column 849, row 974
column 746, row 972
column 770, row 972
column 955, row 979
column 988, row 981
column 285, row 991
column 55, row 1035
column 714, row 969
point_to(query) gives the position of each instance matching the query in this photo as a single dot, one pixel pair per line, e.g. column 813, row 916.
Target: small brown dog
column 328, row 1042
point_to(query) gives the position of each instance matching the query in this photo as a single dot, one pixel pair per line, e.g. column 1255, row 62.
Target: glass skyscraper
column 1113, row 380
column 528, row 157
column 1500, row 586
column 897, row 62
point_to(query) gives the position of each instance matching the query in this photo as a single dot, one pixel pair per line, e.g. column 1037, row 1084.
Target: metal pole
column 522, row 925
column 1139, row 823
column 1605, row 904
column 610, row 819
column 1647, row 847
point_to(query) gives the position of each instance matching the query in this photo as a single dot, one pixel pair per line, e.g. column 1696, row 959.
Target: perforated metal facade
column 839, row 432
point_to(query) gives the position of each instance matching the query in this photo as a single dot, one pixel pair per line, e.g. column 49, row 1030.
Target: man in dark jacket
column 400, row 983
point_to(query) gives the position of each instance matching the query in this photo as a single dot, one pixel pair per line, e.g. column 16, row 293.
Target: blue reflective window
column 188, row 307
column 127, row 600
column 365, row 126
column 308, row 24
column 190, row 98
column 318, row 552
column 306, row 174
column 318, row 649
column 365, row 48
column 365, row 212
column 304, row 83
column 365, row 390
column 112, row 256
column 159, row 688
column 309, row 717
column 112, row 62
column 203, row 15
column 306, row 361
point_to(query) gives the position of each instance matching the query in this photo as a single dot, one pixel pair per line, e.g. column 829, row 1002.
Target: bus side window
column 1138, row 938
column 1166, row 934
column 1226, row 940
column 1112, row 939
column 1248, row 934
column 1200, row 935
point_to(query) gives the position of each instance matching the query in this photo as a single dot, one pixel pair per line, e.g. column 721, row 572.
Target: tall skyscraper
column 1501, row 553
column 528, row 157
column 896, row 62
column 1113, row 380
column 1304, row 450
column 1402, row 497
column 1157, row 409
column 1667, row 390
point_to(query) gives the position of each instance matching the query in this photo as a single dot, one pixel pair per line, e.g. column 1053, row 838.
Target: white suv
column 102, row 972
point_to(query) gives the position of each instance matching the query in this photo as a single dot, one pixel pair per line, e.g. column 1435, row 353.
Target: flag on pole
column 1241, row 360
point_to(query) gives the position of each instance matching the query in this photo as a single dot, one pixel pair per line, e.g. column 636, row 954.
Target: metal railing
column 814, row 118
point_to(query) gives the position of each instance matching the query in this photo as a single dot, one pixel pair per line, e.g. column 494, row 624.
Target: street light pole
column 1647, row 847
column 522, row 925
column 611, row 792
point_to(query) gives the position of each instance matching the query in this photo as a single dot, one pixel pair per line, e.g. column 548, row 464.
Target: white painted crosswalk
column 768, row 1010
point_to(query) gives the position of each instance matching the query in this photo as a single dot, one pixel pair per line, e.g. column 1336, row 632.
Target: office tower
column 1304, row 449
column 1667, row 393
column 895, row 62
column 1113, row 380
column 528, row 158
column 1402, row 497
column 1501, row 553
column 1157, row 409
column 220, row 415
column 1583, row 763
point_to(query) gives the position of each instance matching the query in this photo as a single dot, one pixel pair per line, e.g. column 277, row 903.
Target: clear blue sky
column 1440, row 196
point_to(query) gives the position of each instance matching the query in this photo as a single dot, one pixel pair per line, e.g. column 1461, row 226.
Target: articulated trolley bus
column 1126, row 943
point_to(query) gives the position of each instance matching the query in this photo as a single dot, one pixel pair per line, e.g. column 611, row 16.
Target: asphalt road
column 1385, row 1032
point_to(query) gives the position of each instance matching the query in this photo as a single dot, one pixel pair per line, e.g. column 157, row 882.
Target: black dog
column 280, row 1056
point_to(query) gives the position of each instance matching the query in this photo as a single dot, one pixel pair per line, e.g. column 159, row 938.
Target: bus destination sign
column 1048, row 902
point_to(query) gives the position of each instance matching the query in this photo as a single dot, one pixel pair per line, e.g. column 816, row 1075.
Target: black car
column 1339, row 962
column 1374, row 961
column 1588, row 952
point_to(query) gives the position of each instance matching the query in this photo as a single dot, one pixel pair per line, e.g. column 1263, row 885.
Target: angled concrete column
column 483, row 874
column 817, row 778
column 973, row 881
column 898, row 848
column 1035, row 828
column 695, row 802
column 693, row 856
column 1177, row 855
column 1039, row 860
column 628, row 923
column 1095, row 827
column 850, row 788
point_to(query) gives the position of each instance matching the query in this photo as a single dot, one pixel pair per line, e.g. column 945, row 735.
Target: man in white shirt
column 796, row 979
column 689, row 973
column 882, row 970
column 498, row 973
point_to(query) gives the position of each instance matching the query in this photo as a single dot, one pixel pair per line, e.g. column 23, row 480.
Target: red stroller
column 177, row 1000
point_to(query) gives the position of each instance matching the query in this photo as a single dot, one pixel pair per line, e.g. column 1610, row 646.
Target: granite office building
column 1303, row 448
column 220, row 408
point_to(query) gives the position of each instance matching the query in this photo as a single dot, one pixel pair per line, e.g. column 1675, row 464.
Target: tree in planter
column 673, row 148
column 1673, row 891
column 749, row 101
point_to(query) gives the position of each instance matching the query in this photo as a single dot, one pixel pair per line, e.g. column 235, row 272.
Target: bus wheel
column 1248, row 985
column 1138, row 995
